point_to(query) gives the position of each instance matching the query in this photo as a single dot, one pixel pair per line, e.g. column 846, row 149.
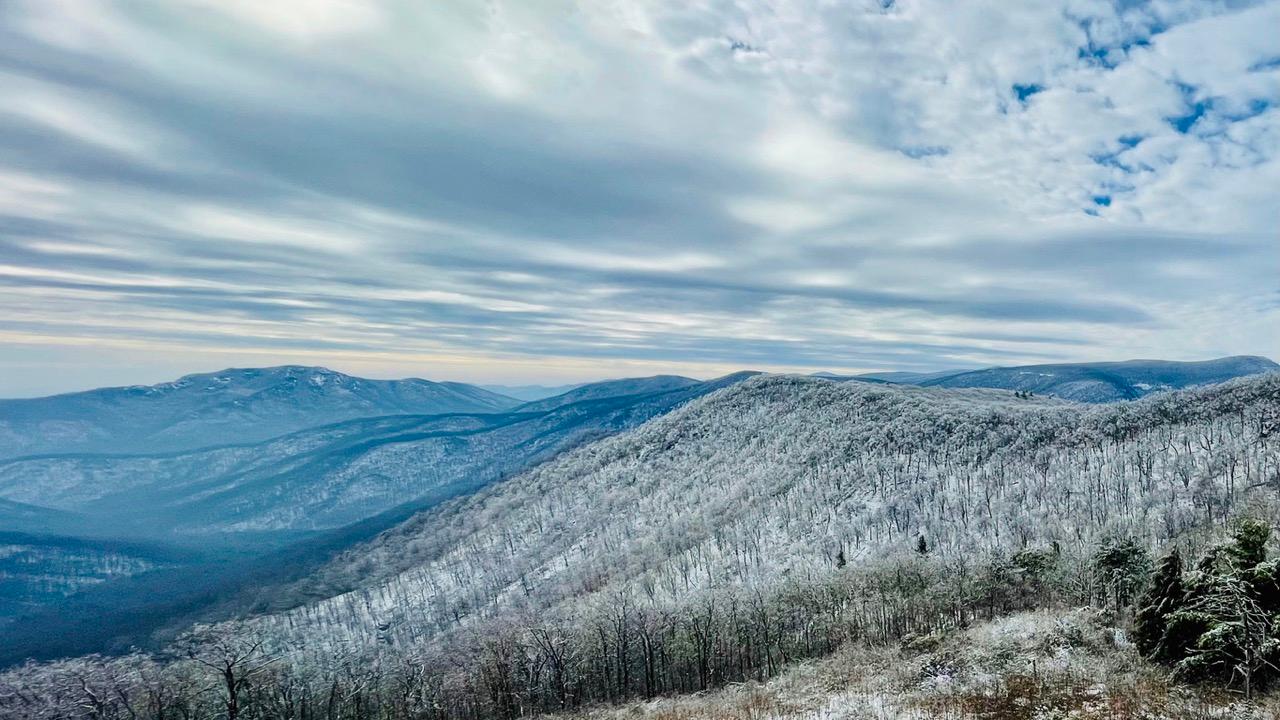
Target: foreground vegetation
column 1046, row 665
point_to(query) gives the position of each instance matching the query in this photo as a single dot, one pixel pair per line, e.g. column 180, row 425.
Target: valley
column 609, row 549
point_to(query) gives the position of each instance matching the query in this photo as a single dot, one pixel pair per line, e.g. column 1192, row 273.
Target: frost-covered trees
column 775, row 521
column 1223, row 626
column 1163, row 597
column 235, row 658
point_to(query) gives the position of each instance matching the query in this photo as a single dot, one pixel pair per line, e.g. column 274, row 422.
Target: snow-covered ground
column 1043, row 665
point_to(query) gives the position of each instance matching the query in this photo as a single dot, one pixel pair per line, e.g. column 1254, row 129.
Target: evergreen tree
column 1225, row 630
column 1249, row 543
column 1164, row 596
column 1238, row 646
column 1184, row 626
column 1265, row 581
column 1119, row 563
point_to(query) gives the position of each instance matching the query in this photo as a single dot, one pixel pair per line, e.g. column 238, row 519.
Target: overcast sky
column 546, row 191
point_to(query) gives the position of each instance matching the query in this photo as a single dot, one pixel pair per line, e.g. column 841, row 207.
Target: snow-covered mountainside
column 528, row 393
column 366, row 474
column 792, row 499
column 232, row 406
column 328, row 476
column 613, row 388
column 1102, row 382
column 776, row 520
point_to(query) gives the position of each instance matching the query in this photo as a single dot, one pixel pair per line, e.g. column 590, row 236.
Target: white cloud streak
column 788, row 185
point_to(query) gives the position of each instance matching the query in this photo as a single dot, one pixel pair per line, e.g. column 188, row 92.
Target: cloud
column 505, row 190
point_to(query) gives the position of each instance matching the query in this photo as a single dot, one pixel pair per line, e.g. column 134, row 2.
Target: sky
column 556, row 191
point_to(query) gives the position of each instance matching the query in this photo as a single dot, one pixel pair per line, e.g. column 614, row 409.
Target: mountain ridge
column 770, row 496
column 235, row 405
column 1098, row 382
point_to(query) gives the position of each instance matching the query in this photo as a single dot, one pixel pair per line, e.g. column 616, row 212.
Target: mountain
column 613, row 388
column 788, row 510
column 231, row 406
column 282, row 502
column 531, row 392
column 770, row 522
column 328, row 476
column 909, row 378
column 1108, row 381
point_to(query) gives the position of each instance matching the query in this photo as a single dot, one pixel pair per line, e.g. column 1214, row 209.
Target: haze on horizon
column 584, row 190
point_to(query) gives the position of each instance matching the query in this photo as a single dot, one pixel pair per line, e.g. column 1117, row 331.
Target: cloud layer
column 493, row 191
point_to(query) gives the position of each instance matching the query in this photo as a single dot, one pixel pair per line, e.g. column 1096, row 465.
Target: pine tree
column 1118, row 564
column 1184, row 626
column 1163, row 597
column 1224, row 630
column 1237, row 645
column 1249, row 543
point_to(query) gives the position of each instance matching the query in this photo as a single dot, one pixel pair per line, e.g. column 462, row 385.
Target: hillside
column 780, row 489
column 1101, row 382
column 231, row 406
column 38, row 571
column 612, row 388
column 776, row 520
column 323, row 477
column 363, row 474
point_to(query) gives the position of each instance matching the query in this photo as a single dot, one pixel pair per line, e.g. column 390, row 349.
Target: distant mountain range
column 322, row 477
column 1099, row 382
column 231, row 406
column 237, row 406
column 275, row 469
column 908, row 378
column 1104, row 382
column 276, row 505
column 612, row 388
column 531, row 392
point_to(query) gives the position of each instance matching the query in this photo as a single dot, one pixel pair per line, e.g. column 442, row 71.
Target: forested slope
column 283, row 505
column 236, row 405
column 777, row 519
column 1101, row 382
column 770, row 510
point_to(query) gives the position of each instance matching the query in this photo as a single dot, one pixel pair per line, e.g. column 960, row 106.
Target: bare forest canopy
column 777, row 519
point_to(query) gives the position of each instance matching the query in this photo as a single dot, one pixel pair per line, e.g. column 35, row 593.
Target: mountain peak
column 232, row 405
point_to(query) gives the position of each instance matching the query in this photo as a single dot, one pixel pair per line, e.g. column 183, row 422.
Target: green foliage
column 1264, row 578
column 1034, row 563
column 1224, row 628
column 1237, row 643
column 1163, row 597
column 1249, row 543
column 1119, row 566
column 1183, row 629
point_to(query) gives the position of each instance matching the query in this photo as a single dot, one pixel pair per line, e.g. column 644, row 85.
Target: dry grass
column 1033, row 666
